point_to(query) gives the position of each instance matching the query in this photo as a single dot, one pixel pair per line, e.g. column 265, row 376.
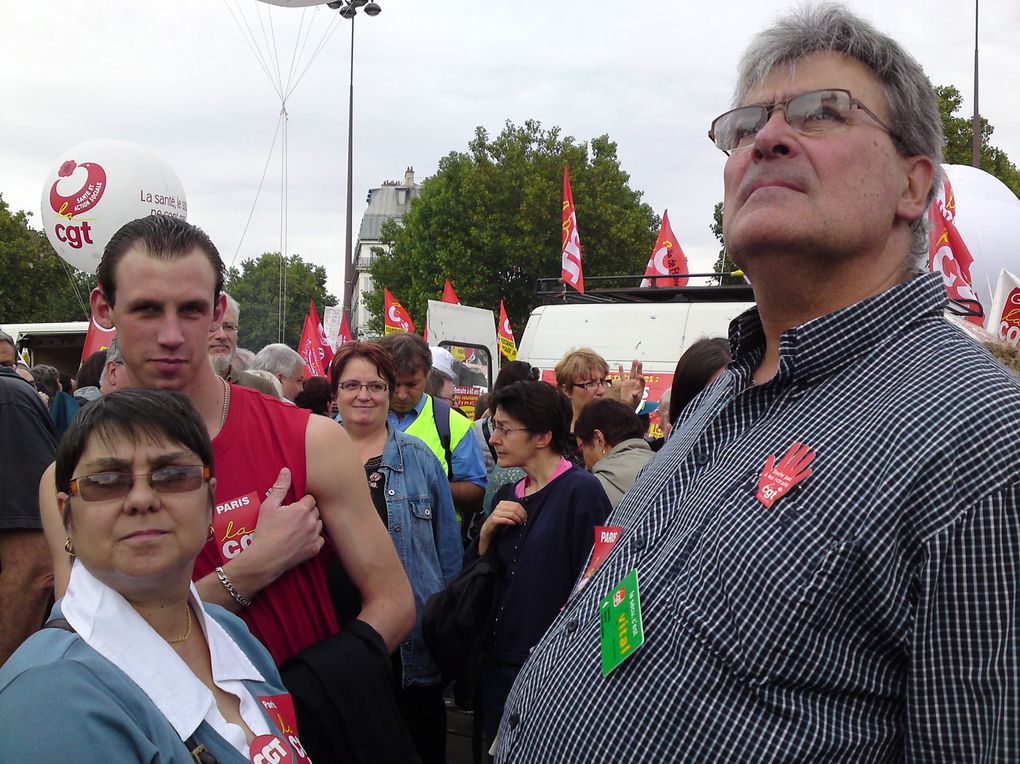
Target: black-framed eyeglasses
column 594, row 384
column 174, row 478
column 811, row 113
column 376, row 388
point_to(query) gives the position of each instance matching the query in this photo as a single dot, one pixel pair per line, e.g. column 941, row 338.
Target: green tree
column 257, row 288
column 490, row 219
column 37, row 285
column 723, row 264
column 959, row 134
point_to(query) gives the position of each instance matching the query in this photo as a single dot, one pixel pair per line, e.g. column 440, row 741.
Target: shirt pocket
column 423, row 546
column 764, row 589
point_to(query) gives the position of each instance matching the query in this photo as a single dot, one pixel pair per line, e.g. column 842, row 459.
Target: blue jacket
column 424, row 529
column 60, row 700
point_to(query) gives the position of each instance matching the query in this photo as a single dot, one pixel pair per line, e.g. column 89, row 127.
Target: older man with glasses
column 822, row 563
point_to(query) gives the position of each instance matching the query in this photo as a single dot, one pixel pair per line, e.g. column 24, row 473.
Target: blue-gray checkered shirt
column 871, row 614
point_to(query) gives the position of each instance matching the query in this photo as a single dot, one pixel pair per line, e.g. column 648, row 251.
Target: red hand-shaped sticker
column 777, row 479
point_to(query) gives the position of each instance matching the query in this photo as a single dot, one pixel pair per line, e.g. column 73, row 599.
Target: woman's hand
column 632, row 385
column 505, row 513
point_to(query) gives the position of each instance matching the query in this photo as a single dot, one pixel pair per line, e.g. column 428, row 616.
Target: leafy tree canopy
column 37, row 284
column 959, row 134
column 490, row 219
column 257, row 287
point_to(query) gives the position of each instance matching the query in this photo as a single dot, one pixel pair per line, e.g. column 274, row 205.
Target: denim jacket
column 424, row 529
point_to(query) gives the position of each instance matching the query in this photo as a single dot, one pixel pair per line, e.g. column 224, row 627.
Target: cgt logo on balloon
column 96, row 187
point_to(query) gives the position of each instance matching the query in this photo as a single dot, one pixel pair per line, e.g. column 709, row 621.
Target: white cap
column 442, row 361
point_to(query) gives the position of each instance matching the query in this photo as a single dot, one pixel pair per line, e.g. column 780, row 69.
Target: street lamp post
column 349, row 10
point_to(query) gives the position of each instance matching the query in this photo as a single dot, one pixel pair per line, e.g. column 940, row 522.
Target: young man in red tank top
column 284, row 479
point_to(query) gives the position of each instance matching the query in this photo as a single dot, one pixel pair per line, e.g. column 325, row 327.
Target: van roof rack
column 617, row 289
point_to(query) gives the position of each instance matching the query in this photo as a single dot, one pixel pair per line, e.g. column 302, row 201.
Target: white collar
column 114, row 629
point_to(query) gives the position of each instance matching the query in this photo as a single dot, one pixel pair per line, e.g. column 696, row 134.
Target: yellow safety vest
column 424, row 428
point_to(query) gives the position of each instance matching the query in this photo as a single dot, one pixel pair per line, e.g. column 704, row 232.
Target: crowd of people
column 206, row 556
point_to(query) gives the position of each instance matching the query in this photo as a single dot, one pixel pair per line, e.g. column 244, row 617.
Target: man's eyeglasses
column 812, row 113
column 175, row 478
column 503, row 430
column 375, row 388
column 594, row 384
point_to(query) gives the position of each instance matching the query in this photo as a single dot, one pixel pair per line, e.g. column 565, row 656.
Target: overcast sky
column 180, row 79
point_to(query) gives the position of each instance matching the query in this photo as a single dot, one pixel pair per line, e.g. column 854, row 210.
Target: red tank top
column 260, row 436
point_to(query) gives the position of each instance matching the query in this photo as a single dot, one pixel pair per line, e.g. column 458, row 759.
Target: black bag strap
column 441, row 414
column 199, row 753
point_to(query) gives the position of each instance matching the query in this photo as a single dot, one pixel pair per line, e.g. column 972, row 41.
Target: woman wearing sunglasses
column 541, row 530
column 132, row 665
column 411, row 493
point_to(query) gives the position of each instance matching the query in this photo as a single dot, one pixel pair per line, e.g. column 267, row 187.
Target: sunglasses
column 176, row 478
column 811, row 113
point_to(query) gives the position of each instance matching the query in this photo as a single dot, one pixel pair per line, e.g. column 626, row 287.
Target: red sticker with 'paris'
column 776, row 480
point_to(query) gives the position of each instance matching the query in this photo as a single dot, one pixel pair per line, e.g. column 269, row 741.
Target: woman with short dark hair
column 612, row 442
column 699, row 365
column 541, row 530
column 134, row 666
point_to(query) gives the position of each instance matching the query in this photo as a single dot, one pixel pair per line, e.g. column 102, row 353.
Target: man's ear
column 919, row 173
column 102, row 310
column 219, row 311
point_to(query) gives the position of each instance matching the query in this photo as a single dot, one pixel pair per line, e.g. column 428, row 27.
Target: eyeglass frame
column 362, row 385
column 74, row 485
column 770, row 108
column 503, row 430
column 593, row 384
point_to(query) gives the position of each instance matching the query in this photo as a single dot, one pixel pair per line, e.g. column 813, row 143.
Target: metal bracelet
column 231, row 589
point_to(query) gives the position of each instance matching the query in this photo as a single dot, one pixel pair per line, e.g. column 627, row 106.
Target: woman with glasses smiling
column 134, row 667
column 541, row 530
column 411, row 493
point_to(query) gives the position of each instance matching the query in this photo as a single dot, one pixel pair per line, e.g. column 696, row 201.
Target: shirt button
column 571, row 626
column 701, row 457
column 391, row 492
column 514, row 720
column 396, row 529
column 428, row 513
column 639, row 540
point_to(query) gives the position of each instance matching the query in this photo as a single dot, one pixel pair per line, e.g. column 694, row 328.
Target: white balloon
column 988, row 219
column 96, row 187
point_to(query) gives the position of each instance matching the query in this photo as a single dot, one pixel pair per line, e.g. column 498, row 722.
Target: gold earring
column 69, row 547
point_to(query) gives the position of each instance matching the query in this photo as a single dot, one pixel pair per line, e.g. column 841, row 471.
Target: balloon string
column 258, row 191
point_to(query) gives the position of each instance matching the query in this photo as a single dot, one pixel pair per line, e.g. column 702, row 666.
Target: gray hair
column 913, row 107
column 277, row 359
column 113, row 355
column 233, row 305
column 243, row 359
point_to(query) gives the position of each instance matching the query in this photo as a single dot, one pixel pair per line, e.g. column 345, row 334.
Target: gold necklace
column 187, row 631
column 226, row 401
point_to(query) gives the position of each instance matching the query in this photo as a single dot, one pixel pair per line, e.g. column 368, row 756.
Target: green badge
column 620, row 621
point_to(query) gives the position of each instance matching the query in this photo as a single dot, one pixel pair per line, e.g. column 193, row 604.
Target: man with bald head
column 822, row 562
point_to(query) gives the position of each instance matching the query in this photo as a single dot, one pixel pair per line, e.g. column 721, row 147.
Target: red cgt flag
column 343, row 334
column 397, row 319
column 314, row 348
column 507, row 346
column 667, row 259
column 571, row 257
column 97, row 338
column 449, row 295
column 948, row 255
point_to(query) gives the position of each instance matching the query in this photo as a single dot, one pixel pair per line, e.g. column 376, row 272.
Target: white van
column 656, row 333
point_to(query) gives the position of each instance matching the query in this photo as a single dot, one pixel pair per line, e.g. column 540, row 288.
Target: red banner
column 97, row 338
column 571, row 255
column 397, row 319
column 344, row 333
column 449, row 295
column 1004, row 317
column 507, row 345
column 948, row 255
column 667, row 259
column 314, row 348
